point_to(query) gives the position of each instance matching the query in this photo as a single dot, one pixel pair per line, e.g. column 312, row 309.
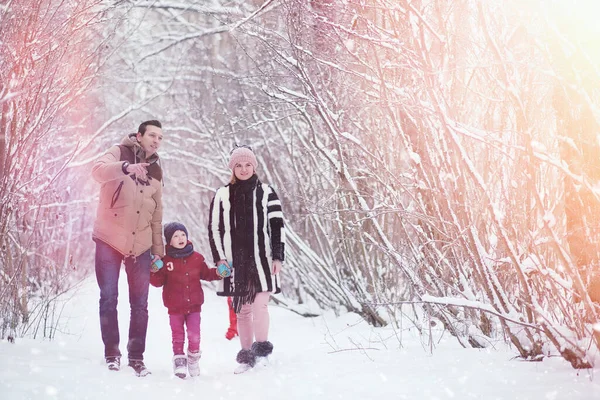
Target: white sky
column 315, row 358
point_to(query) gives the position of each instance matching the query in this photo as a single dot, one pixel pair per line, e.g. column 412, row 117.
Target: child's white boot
column 194, row 363
column 180, row 363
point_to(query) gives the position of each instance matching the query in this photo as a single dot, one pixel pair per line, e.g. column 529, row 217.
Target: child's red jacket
column 180, row 278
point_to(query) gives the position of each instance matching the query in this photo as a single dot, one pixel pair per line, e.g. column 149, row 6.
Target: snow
column 326, row 357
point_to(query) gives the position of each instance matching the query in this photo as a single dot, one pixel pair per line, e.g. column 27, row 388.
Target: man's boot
column 113, row 363
column 139, row 367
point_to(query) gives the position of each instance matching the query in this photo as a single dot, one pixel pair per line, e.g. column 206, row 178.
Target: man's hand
column 277, row 266
column 156, row 263
column 139, row 170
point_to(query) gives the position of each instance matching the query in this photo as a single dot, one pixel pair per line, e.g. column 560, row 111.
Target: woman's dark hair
column 143, row 125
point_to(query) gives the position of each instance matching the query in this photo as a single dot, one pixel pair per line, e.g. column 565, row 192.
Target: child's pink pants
column 192, row 323
column 253, row 321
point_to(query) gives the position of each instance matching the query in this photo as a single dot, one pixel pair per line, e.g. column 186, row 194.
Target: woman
column 246, row 230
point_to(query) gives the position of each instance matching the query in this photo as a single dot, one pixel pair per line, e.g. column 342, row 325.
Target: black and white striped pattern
column 268, row 238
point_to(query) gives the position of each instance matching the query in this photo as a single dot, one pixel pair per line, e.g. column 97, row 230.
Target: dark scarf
column 180, row 253
column 244, row 266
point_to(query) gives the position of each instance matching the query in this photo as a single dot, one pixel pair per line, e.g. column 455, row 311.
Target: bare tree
column 47, row 65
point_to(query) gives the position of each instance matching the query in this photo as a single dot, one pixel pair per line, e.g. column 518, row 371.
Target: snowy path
column 305, row 363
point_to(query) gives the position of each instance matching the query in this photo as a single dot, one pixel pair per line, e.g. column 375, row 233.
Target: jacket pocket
column 116, row 195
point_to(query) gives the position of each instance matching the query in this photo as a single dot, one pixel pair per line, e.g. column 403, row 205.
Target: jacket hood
column 131, row 141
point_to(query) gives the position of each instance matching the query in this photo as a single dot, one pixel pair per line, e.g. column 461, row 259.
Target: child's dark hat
column 171, row 228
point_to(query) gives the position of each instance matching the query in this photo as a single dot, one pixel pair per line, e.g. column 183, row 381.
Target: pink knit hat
column 241, row 155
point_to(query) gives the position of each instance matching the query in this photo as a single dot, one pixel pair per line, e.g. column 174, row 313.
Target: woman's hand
column 276, row 266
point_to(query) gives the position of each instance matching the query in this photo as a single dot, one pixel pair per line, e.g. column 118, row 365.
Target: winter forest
column 437, row 160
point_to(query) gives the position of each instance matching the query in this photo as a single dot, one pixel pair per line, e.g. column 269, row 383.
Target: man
column 128, row 229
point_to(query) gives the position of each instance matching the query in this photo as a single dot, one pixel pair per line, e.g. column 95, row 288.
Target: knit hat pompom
column 241, row 155
column 173, row 227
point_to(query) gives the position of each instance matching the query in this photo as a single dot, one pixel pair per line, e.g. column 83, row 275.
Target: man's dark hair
column 143, row 125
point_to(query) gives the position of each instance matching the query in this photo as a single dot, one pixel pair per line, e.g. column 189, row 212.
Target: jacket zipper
column 116, row 195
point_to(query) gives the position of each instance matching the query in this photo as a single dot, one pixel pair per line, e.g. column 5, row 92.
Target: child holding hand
column 180, row 275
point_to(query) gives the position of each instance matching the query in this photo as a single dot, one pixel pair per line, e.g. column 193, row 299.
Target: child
column 180, row 275
column 232, row 330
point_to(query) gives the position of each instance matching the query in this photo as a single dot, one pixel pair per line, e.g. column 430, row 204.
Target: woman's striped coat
column 268, row 239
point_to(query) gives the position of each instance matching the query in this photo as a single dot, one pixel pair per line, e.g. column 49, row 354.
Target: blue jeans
column 108, row 266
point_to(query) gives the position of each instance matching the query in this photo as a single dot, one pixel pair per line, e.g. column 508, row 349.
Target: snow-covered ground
column 319, row 358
